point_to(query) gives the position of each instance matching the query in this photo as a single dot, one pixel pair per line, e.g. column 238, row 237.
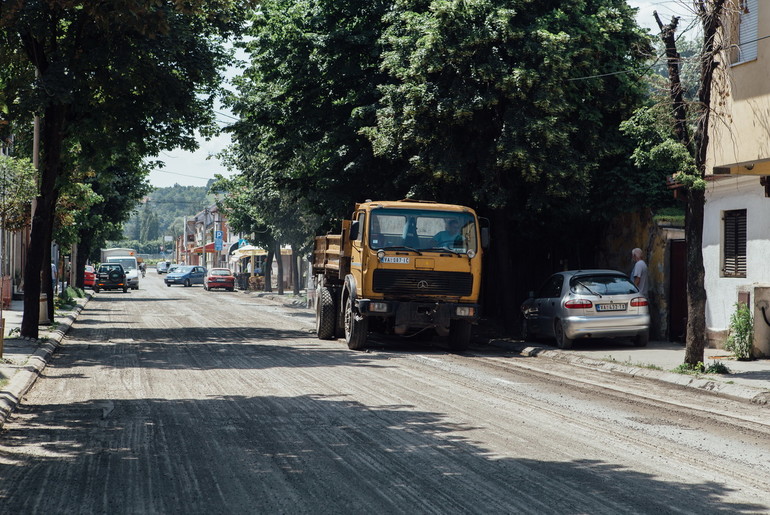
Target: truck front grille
column 422, row 283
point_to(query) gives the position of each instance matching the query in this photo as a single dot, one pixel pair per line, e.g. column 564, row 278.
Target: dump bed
column 330, row 255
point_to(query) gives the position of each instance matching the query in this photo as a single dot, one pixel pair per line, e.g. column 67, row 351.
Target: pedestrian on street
column 639, row 272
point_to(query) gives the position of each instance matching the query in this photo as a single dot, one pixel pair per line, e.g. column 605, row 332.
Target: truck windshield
column 128, row 263
column 422, row 230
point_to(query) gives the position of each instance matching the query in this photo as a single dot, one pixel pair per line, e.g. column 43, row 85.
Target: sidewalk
column 747, row 380
column 23, row 360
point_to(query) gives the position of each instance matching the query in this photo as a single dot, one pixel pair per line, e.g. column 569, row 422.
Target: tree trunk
column 696, row 292
column 295, row 270
column 42, row 221
column 279, row 257
column 268, row 271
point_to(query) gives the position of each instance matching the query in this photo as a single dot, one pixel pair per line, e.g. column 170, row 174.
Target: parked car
column 219, row 278
column 186, row 275
column 586, row 304
column 89, row 276
column 162, row 267
column 111, row 276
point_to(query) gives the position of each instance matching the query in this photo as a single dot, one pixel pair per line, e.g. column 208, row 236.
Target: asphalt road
column 178, row 400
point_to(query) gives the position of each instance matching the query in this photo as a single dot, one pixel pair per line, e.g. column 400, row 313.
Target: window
column 734, row 243
column 745, row 41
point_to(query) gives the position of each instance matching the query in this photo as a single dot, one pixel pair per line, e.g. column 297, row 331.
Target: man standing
column 639, row 273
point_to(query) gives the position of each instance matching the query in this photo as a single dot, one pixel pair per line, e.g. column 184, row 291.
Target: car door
column 548, row 301
column 199, row 273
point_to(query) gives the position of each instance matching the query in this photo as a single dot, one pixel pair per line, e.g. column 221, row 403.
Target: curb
column 25, row 377
column 715, row 386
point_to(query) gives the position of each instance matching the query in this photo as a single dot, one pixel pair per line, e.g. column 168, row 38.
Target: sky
column 196, row 168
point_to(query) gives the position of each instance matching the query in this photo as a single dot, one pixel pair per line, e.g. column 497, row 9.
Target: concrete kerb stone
column 740, row 392
column 25, row 377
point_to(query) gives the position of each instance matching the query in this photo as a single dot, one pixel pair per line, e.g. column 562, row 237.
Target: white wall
column 724, row 194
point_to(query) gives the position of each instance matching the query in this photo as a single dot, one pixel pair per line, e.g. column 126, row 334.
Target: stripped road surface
column 178, row 400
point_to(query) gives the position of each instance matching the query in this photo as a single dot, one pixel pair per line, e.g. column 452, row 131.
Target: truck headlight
column 471, row 253
column 378, row 307
column 465, row 311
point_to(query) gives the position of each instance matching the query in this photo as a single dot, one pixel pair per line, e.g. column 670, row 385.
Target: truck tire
column 325, row 315
column 356, row 327
column 459, row 335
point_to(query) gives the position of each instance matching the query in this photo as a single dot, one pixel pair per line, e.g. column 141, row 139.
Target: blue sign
column 242, row 243
column 217, row 240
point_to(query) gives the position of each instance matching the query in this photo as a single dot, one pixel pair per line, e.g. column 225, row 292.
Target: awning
column 209, row 249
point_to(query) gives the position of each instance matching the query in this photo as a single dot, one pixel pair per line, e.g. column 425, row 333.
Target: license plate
column 611, row 307
column 393, row 259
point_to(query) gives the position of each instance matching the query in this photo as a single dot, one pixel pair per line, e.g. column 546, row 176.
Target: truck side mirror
column 354, row 228
column 485, row 238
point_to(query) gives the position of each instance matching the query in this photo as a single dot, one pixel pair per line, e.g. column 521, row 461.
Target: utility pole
column 205, row 216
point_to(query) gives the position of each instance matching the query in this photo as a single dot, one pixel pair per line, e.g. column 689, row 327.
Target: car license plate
column 393, row 259
column 611, row 307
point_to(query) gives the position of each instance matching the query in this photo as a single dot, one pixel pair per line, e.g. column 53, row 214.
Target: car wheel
column 231, row 289
column 459, row 335
column 96, row 289
column 642, row 339
column 526, row 334
column 205, row 287
column 356, row 327
column 187, row 283
column 114, row 276
column 168, row 284
column 324, row 315
column 561, row 337
column 125, row 289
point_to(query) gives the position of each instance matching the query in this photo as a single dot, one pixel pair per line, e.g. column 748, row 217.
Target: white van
column 131, row 267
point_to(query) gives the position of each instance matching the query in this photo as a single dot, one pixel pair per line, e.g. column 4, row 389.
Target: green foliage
column 740, row 340
column 17, row 189
column 699, row 368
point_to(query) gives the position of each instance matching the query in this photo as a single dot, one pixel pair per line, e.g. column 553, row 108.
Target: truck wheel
column 325, row 319
column 459, row 335
column 561, row 337
column 356, row 327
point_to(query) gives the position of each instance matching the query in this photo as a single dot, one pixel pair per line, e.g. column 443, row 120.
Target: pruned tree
column 711, row 15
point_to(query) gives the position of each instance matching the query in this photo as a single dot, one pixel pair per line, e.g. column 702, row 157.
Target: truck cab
column 400, row 267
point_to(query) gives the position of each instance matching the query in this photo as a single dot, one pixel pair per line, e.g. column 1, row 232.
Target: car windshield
column 219, row 271
column 602, row 285
column 109, row 268
column 422, row 229
column 183, row 269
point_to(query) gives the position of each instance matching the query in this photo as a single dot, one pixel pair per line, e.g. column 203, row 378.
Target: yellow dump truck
column 400, row 267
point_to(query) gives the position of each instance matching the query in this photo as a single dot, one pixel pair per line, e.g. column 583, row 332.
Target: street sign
column 218, row 240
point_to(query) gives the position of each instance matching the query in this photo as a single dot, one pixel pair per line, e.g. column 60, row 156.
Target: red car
column 219, row 278
column 89, row 276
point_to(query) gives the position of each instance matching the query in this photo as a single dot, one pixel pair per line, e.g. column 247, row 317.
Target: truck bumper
column 419, row 314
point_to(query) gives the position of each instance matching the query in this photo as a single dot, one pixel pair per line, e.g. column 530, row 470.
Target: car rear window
column 602, row 285
column 220, row 272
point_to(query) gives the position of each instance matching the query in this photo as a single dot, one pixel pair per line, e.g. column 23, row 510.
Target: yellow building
column 736, row 235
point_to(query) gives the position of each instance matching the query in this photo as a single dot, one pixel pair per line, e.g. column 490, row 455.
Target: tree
column 710, row 13
column 94, row 60
column 17, row 189
column 513, row 107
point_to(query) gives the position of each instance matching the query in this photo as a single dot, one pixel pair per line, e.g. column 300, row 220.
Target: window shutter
column 747, row 31
column 734, row 264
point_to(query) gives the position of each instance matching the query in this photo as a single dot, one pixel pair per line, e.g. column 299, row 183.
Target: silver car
column 586, row 304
